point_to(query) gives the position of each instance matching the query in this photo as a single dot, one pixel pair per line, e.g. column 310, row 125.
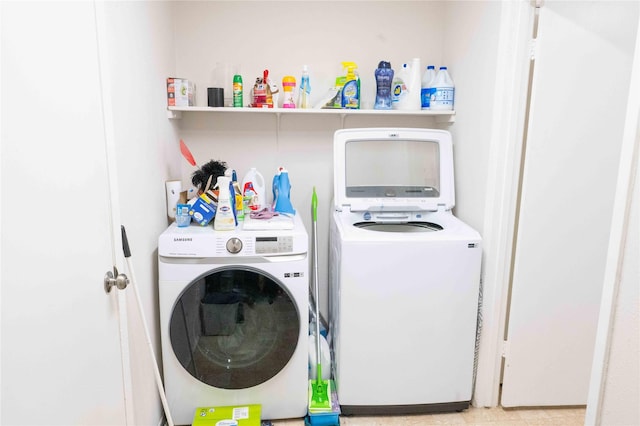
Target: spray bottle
column 225, row 219
column 351, row 88
column 305, row 89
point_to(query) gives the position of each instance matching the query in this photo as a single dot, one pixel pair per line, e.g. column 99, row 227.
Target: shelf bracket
column 174, row 115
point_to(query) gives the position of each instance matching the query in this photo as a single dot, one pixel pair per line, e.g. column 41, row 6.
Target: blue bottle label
column 425, row 96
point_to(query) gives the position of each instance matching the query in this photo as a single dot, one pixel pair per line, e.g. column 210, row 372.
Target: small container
column 183, row 219
column 288, row 87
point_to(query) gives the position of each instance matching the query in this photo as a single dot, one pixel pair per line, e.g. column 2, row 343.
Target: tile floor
column 472, row 416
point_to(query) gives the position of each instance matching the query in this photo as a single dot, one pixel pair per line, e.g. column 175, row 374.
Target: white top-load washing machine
column 234, row 318
column 404, row 275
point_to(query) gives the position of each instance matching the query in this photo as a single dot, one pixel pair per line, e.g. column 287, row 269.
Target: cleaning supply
column 351, row 88
column 407, row 89
column 282, row 192
column 253, row 191
column 384, row 78
column 304, row 92
column 237, row 90
column 224, row 219
column 288, row 88
column 319, row 389
column 333, row 98
column 399, row 87
column 426, row 86
column 443, row 91
column 237, row 195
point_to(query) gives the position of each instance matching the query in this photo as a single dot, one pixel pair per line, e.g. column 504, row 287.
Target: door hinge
column 505, row 349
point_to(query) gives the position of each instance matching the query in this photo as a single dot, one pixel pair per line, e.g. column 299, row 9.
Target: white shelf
column 440, row 116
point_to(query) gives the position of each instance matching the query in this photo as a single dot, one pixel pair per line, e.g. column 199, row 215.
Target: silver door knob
column 112, row 279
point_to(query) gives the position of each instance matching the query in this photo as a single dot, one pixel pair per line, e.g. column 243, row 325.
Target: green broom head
column 320, row 392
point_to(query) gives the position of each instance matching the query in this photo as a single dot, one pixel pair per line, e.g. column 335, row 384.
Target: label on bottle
column 442, row 97
column 425, row 97
column 237, row 93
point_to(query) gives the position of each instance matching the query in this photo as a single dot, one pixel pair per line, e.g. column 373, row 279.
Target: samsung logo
column 182, row 239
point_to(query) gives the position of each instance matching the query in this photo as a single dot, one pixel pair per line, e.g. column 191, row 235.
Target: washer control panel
column 274, row 245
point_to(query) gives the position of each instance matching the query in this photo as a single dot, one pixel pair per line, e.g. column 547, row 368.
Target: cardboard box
column 239, row 415
column 203, row 209
column 180, row 92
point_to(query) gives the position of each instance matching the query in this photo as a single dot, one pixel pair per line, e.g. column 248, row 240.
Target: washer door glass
column 234, row 328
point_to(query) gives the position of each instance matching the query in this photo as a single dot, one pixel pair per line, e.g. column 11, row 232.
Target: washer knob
column 234, row 245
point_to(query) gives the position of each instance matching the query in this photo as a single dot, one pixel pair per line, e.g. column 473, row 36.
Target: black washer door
column 234, row 328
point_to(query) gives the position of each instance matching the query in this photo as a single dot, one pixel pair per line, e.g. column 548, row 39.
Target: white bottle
column 399, row 89
column 257, row 200
column 224, row 219
column 414, row 103
column 425, row 91
column 443, row 91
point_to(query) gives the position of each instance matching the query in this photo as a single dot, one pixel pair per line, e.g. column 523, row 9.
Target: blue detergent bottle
column 384, row 79
column 282, row 192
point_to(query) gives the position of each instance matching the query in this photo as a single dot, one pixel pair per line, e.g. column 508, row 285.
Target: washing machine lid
column 393, row 169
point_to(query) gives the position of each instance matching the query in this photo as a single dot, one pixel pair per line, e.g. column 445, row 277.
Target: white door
column 61, row 356
column 580, row 87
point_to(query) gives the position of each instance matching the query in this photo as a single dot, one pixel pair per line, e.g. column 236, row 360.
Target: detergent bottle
column 237, row 194
column 304, row 92
column 224, row 219
column 282, row 192
column 384, row 78
column 253, row 191
column 351, row 88
column 407, row 93
column 399, row 90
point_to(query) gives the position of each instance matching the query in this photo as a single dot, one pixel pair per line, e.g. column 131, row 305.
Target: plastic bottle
column 399, row 87
column 237, row 196
column 253, row 191
column 237, row 90
column 443, row 91
column 425, row 92
column 224, row 219
column 413, row 102
column 288, row 88
column 305, row 89
column 384, row 78
column 351, row 88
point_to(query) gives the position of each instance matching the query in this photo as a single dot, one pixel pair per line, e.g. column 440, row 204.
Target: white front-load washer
column 404, row 275
column 234, row 319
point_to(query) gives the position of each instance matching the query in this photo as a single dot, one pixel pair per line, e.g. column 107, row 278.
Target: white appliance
column 234, row 319
column 404, row 275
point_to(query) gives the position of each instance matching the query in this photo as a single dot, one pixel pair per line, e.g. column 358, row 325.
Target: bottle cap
column 384, row 64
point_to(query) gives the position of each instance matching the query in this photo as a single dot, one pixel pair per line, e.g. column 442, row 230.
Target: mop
column 319, row 390
column 132, row 279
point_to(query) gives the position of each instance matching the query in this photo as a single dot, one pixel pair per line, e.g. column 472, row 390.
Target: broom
column 319, row 390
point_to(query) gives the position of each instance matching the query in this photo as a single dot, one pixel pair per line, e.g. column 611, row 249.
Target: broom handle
column 314, row 205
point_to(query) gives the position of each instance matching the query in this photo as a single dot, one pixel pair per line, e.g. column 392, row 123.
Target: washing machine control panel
column 273, row 245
